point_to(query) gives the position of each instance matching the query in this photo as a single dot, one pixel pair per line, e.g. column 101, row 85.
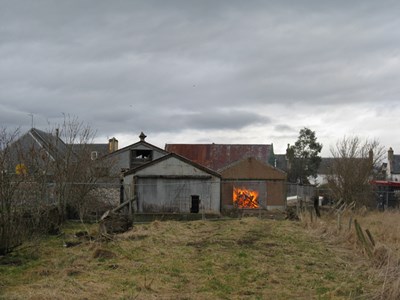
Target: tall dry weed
column 337, row 229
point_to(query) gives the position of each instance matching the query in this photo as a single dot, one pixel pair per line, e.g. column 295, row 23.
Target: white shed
column 174, row 184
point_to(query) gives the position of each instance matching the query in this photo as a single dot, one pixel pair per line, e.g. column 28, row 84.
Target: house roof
column 101, row 149
column 325, row 165
column 165, row 157
column 253, row 168
column 395, row 165
column 217, row 156
column 51, row 143
column 281, row 162
column 54, row 145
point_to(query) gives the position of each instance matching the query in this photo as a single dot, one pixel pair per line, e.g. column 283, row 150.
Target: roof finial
column 142, row 136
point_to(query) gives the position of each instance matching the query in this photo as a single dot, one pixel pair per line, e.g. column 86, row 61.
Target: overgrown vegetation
column 12, row 229
column 235, row 259
column 354, row 164
column 74, row 172
column 40, row 178
column 370, row 235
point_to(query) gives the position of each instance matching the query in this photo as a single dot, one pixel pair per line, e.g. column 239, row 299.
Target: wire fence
column 179, row 196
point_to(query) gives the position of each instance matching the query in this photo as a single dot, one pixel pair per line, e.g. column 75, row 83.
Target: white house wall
column 394, row 177
column 320, row 180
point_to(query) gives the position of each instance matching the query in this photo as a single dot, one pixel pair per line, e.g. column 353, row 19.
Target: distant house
column 58, row 170
column 31, row 155
column 95, row 151
column 281, row 162
column 36, row 147
column 324, row 170
column 39, row 145
column 172, row 183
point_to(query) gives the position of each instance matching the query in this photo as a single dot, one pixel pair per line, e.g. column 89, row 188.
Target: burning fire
column 245, row 198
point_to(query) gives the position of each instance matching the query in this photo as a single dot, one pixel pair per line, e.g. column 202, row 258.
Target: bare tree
column 353, row 166
column 76, row 171
column 38, row 181
column 9, row 183
column 18, row 191
column 24, row 211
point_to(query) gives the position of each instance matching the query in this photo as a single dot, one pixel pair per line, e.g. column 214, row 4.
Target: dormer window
column 139, row 157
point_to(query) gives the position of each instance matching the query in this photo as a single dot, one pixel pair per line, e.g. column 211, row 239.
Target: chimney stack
column 287, row 151
column 390, row 155
column 112, row 145
column 371, row 156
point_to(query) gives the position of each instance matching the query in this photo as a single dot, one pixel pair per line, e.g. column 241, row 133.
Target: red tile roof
column 217, row 156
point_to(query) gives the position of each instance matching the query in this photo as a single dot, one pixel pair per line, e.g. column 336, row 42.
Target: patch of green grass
column 330, row 275
column 322, row 290
column 218, row 287
column 242, row 254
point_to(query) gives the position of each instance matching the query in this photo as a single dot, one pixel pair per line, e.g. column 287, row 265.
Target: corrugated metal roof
column 252, row 168
column 217, row 156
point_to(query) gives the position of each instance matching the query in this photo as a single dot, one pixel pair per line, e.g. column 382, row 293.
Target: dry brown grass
column 236, row 259
column 384, row 263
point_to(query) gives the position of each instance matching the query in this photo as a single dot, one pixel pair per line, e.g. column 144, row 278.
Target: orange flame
column 245, row 198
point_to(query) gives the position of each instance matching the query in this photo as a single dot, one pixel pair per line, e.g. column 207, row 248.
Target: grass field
column 249, row 258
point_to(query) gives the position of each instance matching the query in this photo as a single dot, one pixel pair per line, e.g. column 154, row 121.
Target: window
column 139, row 157
column 93, row 155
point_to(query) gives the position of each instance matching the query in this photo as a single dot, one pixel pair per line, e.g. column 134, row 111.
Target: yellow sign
column 21, row 169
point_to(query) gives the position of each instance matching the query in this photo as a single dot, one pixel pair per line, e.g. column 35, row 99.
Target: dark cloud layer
column 208, row 66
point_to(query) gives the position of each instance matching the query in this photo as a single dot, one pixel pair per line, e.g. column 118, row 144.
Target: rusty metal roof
column 217, row 156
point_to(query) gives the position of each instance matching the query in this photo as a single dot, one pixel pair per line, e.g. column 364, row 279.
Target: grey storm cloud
column 178, row 121
column 172, row 66
column 284, row 128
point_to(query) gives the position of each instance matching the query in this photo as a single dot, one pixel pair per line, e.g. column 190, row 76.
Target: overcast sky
column 204, row 71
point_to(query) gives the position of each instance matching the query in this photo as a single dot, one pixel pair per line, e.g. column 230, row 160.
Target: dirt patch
column 246, row 241
column 72, row 272
column 104, row 254
column 10, row 261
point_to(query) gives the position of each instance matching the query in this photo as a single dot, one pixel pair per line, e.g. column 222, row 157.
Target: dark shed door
column 195, row 204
